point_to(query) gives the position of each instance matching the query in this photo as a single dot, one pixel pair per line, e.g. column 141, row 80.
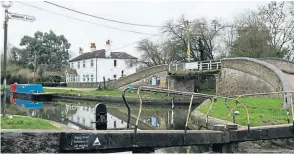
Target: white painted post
column 210, row 65
column 217, row 65
column 176, row 67
column 169, row 67
column 200, row 68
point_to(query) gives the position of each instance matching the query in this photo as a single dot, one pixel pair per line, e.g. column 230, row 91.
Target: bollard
column 101, row 117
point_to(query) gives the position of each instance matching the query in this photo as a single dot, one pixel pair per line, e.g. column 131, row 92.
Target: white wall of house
column 86, row 69
column 107, row 68
column 86, row 115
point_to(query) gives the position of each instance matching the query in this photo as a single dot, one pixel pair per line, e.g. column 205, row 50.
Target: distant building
column 93, row 66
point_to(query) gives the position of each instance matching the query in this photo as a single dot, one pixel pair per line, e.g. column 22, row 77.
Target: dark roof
column 101, row 54
column 121, row 55
column 71, row 71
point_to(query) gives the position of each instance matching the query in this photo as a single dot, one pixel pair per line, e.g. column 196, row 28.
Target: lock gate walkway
column 130, row 140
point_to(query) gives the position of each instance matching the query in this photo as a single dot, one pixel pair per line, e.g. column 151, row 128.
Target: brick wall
column 285, row 65
column 182, row 85
column 247, row 76
column 137, row 76
column 147, row 81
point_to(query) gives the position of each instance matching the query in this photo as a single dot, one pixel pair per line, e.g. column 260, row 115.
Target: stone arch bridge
column 234, row 76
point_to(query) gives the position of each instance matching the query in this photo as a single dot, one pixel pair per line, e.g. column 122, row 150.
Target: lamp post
column 6, row 5
column 188, row 41
column 9, row 15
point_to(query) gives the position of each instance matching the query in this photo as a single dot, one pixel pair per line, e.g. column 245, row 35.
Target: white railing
column 196, row 66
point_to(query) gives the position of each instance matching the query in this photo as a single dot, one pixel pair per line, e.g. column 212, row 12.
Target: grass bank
column 106, row 93
column 262, row 111
column 19, row 122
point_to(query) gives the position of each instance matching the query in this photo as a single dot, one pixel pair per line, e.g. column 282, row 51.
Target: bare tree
column 159, row 53
column 278, row 20
column 202, row 36
column 151, row 53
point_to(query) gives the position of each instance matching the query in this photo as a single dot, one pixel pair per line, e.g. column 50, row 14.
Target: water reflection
column 27, row 104
column 84, row 116
column 80, row 115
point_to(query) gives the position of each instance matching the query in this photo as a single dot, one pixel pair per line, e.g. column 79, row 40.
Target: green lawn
column 262, row 111
column 209, row 92
column 18, row 122
column 107, row 93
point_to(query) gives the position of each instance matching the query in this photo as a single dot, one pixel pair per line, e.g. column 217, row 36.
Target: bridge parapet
column 248, row 75
column 283, row 64
column 137, row 76
column 196, row 66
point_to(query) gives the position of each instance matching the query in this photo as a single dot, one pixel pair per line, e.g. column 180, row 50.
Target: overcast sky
column 81, row 34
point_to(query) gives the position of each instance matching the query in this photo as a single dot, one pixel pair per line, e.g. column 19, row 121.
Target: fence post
column 217, row 65
column 210, row 67
column 176, row 67
column 103, row 82
column 200, row 68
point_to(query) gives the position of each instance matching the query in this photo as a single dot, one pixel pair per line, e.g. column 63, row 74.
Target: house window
column 84, row 121
column 114, row 63
column 114, row 76
column 92, row 63
column 92, row 78
column 72, row 78
column 84, row 63
column 72, row 65
column 131, row 64
column 84, row 78
column 78, row 64
column 78, row 80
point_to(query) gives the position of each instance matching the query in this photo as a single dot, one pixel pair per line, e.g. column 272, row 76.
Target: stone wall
column 247, row 76
column 147, row 81
column 137, row 76
column 285, row 65
column 181, row 85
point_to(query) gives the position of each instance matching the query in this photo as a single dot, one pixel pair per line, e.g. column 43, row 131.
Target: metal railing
column 196, row 66
column 287, row 100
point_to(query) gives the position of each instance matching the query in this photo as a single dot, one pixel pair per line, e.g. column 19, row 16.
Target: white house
column 98, row 64
column 85, row 115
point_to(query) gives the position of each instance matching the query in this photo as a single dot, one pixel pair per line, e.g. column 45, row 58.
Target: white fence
column 196, row 66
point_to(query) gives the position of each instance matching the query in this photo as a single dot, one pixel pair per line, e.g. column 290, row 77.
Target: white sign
column 193, row 65
column 287, row 100
column 21, row 17
column 96, row 142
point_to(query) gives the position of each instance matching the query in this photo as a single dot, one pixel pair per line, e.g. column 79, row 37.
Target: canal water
column 80, row 115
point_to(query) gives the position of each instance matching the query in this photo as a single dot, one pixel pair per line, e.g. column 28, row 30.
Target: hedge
column 52, row 84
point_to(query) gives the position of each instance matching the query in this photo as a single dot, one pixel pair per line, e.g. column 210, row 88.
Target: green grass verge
column 18, row 122
column 107, row 93
column 209, row 92
column 262, row 111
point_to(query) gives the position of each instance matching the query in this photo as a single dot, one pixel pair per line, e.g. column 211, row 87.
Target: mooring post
column 100, row 117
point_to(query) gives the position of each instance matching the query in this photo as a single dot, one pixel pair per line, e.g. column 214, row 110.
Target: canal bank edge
column 198, row 119
column 56, row 124
column 131, row 100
